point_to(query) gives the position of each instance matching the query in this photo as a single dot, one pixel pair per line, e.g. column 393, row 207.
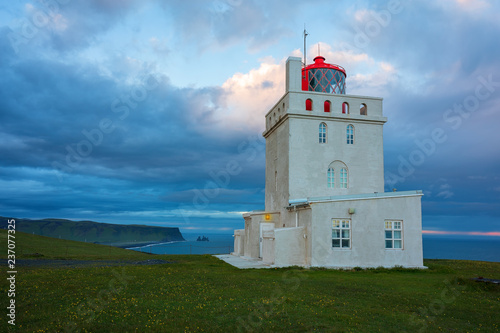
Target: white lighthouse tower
column 324, row 202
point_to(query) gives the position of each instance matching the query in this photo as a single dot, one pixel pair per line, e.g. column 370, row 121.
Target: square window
column 341, row 233
column 393, row 234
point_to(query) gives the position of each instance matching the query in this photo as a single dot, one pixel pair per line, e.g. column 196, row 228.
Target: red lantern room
column 323, row 77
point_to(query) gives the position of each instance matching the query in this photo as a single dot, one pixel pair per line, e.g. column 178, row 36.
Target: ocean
column 216, row 244
column 485, row 248
column 435, row 246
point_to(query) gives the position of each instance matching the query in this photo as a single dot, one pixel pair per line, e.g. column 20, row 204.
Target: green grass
column 203, row 294
column 30, row 246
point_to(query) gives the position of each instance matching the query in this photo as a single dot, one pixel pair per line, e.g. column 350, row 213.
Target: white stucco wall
column 368, row 233
column 305, row 221
column 268, row 247
column 309, row 160
column 251, row 243
column 239, row 242
column 290, row 247
column 277, row 160
column 253, row 220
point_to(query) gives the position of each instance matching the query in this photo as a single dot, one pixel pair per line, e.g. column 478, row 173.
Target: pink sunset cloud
column 465, row 233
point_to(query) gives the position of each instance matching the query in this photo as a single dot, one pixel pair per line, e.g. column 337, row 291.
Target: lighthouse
column 325, row 204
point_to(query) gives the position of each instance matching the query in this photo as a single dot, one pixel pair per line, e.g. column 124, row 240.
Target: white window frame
column 393, row 235
column 323, row 131
column 350, row 134
column 330, row 177
column 344, row 178
column 341, row 230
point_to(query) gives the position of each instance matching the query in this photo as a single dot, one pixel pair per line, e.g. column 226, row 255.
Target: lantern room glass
column 326, row 80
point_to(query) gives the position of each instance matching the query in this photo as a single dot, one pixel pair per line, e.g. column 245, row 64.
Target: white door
column 263, row 227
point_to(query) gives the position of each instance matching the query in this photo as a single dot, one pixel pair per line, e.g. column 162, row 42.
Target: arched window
column 331, row 178
column 343, row 178
column 345, row 108
column 339, row 180
column 309, row 104
column 322, row 133
column 350, row 134
column 363, row 109
column 328, row 105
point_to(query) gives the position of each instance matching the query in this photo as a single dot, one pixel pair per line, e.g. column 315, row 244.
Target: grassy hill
column 204, row 294
column 94, row 232
column 29, row 246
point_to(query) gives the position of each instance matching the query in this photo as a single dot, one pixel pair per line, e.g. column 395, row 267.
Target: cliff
column 95, row 232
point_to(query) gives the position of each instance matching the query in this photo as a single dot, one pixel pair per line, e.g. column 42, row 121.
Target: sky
column 152, row 112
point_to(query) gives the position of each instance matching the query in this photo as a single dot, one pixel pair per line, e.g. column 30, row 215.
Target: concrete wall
column 251, row 243
column 290, row 246
column 277, row 160
column 293, row 81
column 252, row 230
column 239, row 242
column 305, row 221
column 295, row 102
column 268, row 247
column 368, row 233
column 309, row 160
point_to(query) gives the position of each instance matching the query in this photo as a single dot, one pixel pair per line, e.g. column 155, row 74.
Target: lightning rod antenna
column 305, row 36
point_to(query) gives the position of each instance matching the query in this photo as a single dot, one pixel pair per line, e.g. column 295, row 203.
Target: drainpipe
column 296, row 217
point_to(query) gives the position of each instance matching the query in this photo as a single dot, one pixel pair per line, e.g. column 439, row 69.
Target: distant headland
column 95, row 232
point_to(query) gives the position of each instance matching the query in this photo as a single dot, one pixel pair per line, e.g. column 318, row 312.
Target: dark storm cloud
column 73, row 137
column 86, row 138
column 442, row 109
column 67, row 25
column 227, row 22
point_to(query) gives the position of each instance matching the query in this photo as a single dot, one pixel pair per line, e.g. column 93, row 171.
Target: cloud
column 159, row 46
column 249, row 96
column 472, row 5
column 65, row 27
column 219, row 24
column 85, row 64
column 161, row 140
column 445, row 194
column 462, row 233
column 366, row 76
